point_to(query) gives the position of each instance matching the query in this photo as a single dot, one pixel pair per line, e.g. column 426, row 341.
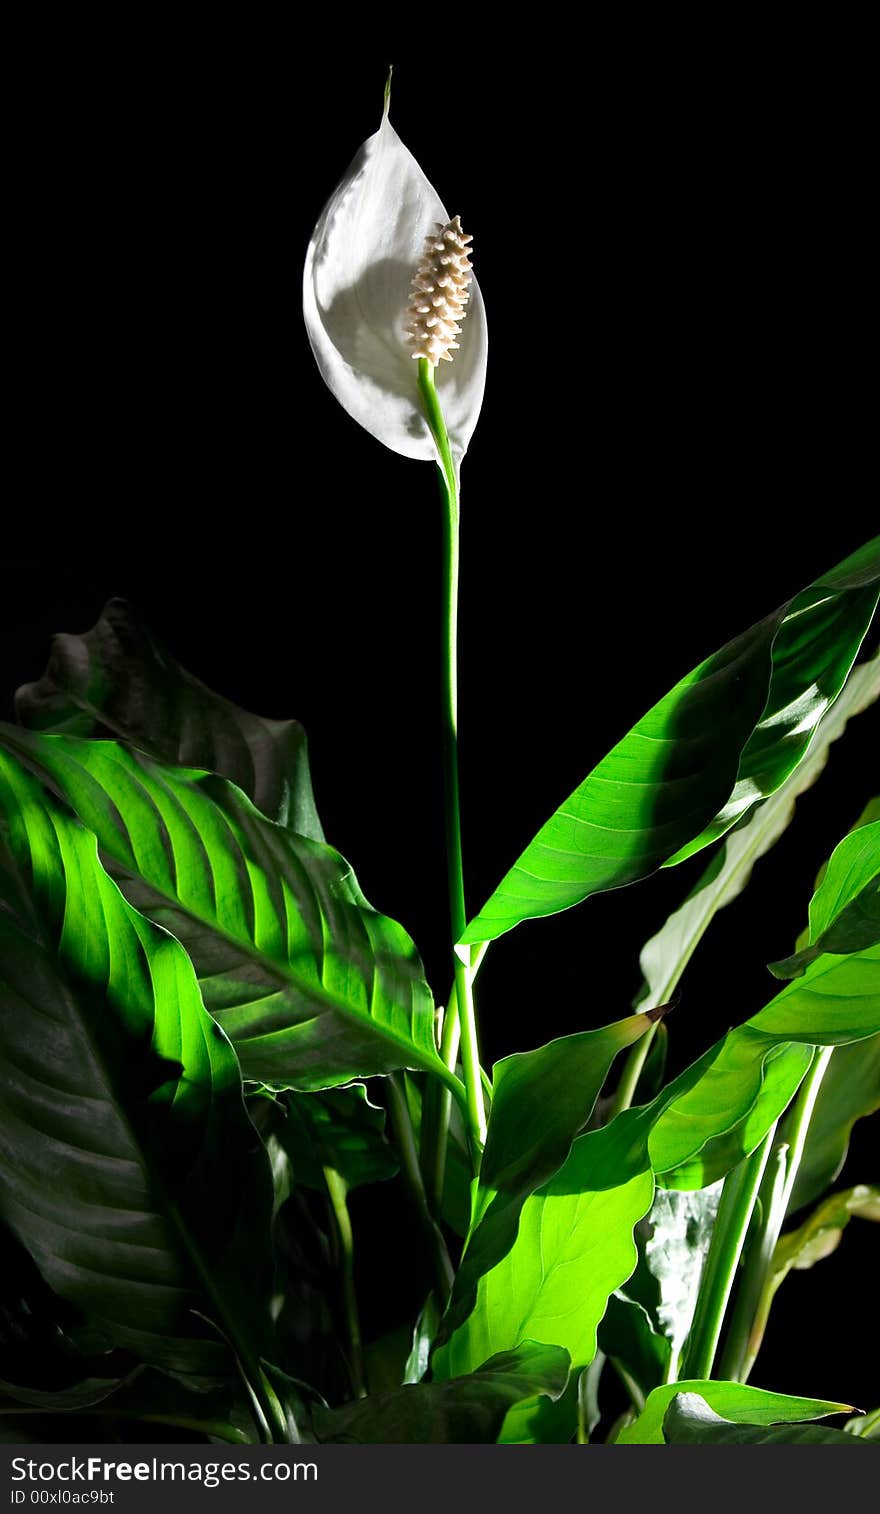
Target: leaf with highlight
column 129, row 1169
column 728, row 735
column 312, row 986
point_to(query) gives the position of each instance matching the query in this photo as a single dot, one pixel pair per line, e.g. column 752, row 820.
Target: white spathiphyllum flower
column 373, row 240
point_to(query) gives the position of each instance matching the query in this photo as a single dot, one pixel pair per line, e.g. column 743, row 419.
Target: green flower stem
column 398, row 1109
column 337, row 1190
column 757, row 1288
column 464, row 993
column 438, row 1102
column 636, row 1058
column 732, row 1222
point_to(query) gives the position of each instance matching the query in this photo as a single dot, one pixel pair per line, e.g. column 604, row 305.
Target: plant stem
column 437, row 1105
column 732, row 1222
column 412, row 1174
column 756, row 1289
column 636, row 1058
column 455, row 873
column 337, row 1190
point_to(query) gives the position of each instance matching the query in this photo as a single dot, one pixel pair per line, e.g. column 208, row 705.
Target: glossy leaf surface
column 574, row 1246
column 311, row 985
column 339, row 1128
column 729, row 734
column 128, row 1167
column 541, row 1100
column 733, row 1401
column 465, row 1410
column 118, row 680
column 850, row 1090
column 689, row 1421
column 845, row 909
column 667, row 954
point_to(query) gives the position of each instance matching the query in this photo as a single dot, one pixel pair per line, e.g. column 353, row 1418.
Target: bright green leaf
column 689, row 1421
column 540, row 1101
column 129, row 1169
column 728, row 735
column 734, row 1401
column 312, row 986
column 665, row 957
column 845, row 909
column 574, row 1246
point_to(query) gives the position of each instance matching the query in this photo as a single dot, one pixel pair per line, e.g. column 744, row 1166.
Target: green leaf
column 728, row 735
column 850, row 1090
column 423, row 1337
column 128, row 1166
column 845, row 909
column 540, row 1101
column 118, row 680
column 820, row 1233
column 734, row 1401
column 574, row 1246
column 689, row 1421
column 665, row 957
column 465, row 1410
column 836, row 1000
column 627, row 1336
column 151, row 1397
column 341, row 1129
column 312, row 986
column 865, row 1425
column 719, row 1110
column 458, row 1176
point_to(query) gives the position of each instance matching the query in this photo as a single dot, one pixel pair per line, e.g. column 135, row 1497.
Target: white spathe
column 356, row 288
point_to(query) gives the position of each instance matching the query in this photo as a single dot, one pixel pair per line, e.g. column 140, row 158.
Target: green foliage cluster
column 193, row 990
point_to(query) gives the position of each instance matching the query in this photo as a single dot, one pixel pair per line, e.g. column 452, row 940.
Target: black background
column 671, row 238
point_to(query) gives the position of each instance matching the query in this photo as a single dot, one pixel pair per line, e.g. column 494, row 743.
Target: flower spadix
column 378, row 246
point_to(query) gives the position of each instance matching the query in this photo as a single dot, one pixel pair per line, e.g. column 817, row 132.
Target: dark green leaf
column 312, row 986
column 130, row 1170
column 820, row 1232
column 666, row 955
column 690, row 1422
column 845, row 909
column 628, row 1337
column 735, row 1401
column 340, row 1129
column 118, row 680
column 728, row 734
column 465, row 1410
column 152, row 1397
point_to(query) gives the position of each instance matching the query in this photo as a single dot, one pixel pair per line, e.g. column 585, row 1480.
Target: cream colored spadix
column 439, row 294
column 366, row 251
